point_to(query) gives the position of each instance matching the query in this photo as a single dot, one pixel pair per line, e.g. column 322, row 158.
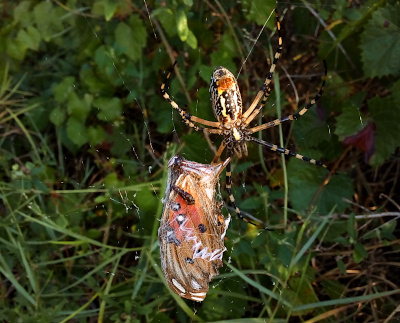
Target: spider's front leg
column 187, row 118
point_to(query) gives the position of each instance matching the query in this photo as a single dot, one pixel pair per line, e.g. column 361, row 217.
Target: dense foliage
column 85, row 142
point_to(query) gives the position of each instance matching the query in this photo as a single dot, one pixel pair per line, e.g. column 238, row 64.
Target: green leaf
column 181, row 25
column 131, row 38
column 48, row 19
column 15, row 49
column 62, row 90
column 341, row 266
column 110, row 108
column 259, row 11
column 360, row 253
column 305, row 180
column 303, row 292
column 79, row 108
column 76, row 131
column 351, row 227
column 311, row 130
column 191, row 40
column 386, row 116
column 111, row 181
column 196, row 148
column 96, row 135
column 352, row 120
column 225, row 54
column 30, row 37
column 380, row 43
column 163, row 117
column 22, row 11
column 166, row 17
column 57, row 115
column 110, row 7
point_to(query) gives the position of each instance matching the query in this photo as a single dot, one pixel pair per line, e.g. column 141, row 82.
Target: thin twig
column 330, row 33
column 172, row 58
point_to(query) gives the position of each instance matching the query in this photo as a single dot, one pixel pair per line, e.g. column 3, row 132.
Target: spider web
column 225, row 280
column 260, row 45
column 263, row 39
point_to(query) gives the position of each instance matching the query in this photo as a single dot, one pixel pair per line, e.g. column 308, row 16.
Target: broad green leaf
column 57, row 115
column 334, row 288
column 79, row 108
column 139, row 31
column 111, row 181
column 305, row 180
column 380, row 43
column 30, row 37
column 303, row 292
column 351, row 227
column 48, row 19
column 181, row 25
column 95, row 84
column 196, row 148
column 110, row 7
column 396, row 93
column 225, row 54
column 386, row 116
column 15, row 49
column 259, row 11
column 131, row 38
column 163, row 116
column 110, row 108
column 191, row 40
column 96, row 135
column 76, row 131
column 22, row 12
column 311, row 130
column 166, row 17
column 63, row 89
column 352, row 119
column 359, row 253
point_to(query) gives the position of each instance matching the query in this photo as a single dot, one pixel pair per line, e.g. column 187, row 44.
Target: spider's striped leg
column 259, row 108
column 228, row 187
column 296, row 115
column 263, row 93
column 287, row 152
column 232, row 198
column 219, row 153
column 186, row 117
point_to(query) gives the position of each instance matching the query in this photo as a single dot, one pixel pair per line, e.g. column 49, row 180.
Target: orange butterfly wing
column 192, row 228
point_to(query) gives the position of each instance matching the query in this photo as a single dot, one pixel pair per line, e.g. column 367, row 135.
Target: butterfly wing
column 192, row 229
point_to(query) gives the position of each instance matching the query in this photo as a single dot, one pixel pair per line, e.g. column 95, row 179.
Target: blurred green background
column 86, row 136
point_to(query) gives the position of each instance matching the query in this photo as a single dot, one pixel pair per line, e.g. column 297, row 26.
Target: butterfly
column 192, row 228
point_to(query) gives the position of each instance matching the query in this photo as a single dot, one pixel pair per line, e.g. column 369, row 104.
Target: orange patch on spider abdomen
column 225, row 84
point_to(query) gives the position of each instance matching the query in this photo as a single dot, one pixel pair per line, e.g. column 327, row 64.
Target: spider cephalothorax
column 233, row 124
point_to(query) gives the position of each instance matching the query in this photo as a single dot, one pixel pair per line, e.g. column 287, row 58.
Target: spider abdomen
column 225, row 96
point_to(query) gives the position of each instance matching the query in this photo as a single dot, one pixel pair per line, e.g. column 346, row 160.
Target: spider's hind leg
column 232, row 200
column 288, row 152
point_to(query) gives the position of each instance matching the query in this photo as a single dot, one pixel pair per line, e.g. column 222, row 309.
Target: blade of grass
column 310, row 241
column 107, row 289
column 356, row 299
column 7, row 272
column 28, row 268
column 256, row 285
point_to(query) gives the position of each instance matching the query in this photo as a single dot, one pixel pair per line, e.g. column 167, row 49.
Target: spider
column 234, row 125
